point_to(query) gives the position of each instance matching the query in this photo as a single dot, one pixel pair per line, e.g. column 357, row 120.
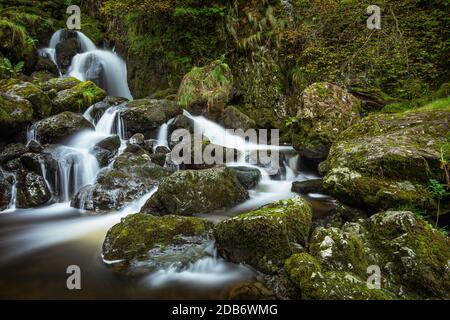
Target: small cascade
column 50, row 51
column 12, row 202
column 85, row 43
column 162, row 139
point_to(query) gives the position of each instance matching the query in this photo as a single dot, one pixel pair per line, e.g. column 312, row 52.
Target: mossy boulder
column 137, row 234
column 196, row 191
column 146, row 115
column 16, row 114
column 265, row 237
column 387, row 160
column 206, row 90
column 249, row 177
column 338, row 250
column 106, row 150
column 413, row 256
column 42, row 105
column 78, row 98
column 130, row 177
column 233, row 118
column 60, row 126
column 59, row 84
column 314, row 185
column 324, row 111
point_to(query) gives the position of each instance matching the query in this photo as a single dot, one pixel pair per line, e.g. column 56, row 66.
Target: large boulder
column 60, row 126
column 16, row 114
column 206, row 90
column 106, row 150
column 265, row 237
column 387, row 160
column 324, row 111
column 78, row 98
column 146, row 115
column 130, row 177
column 306, row 273
column 143, row 234
column 66, row 49
column 12, row 151
column 42, row 105
column 196, row 191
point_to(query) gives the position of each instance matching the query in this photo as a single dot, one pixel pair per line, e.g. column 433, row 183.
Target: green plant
column 438, row 191
column 10, row 69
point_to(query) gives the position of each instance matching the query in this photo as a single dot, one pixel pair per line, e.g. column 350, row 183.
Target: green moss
column 265, row 237
column 79, row 97
column 136, row 234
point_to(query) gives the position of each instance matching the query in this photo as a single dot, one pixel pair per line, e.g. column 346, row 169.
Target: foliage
column 438, row 191
column 6, row 67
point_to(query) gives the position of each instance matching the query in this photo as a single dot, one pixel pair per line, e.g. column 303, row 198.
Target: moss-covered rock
column 387, row 160
column 306, row 273
column 42, row 105
column 16, row 114
column 411, row 253
column 196, row 191
column 130, row 177
column 324, row 111
column 60, row 126
column 233, row 118
column 265, row 237
column 206, row 90
column 249, row 177
column 138, row 234
column 32, row 190
column 78, row 98
column 338, row 250
column 146, row 115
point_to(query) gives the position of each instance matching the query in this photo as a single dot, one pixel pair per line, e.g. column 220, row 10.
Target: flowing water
column 37, row 245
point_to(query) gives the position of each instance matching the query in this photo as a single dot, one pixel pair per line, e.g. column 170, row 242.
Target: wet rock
column 181, row 122
column 387, row 160
column 146, row 115
column 249, row 177
column 250, row 291
column 138, row 139
column 67, row 49
column 60, row 84
column 78, row 98
column 265, row 237
column 106, row 150
column 308, row 186
column 233, row 118
column 99, row 108
column 196, row 191
column 206, row 90
column 324, row 111
column 131, row 176
column 12, row 151
column 32, row 191
column 45, row 64
column 159, row 156
column 134, row 148
column 34, row 146
column 140, row 234
column 60, row 126
column 32, row 161
column 5, row 191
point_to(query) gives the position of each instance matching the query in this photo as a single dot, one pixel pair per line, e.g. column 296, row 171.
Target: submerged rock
column 196, row 191
column 130, row 177
column 206, row 90
column 146, row 115
column 60, row 126
column 324, row 111
column 387, row 160
column 137, row 234
column 78, row 98
column 265, row 237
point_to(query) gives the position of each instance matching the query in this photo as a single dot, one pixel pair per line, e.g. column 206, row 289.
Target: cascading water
column 163, row 137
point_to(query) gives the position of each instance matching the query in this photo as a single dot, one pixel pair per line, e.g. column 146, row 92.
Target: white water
column 163, row 138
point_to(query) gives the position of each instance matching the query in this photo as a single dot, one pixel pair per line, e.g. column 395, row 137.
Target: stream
column 37, row 245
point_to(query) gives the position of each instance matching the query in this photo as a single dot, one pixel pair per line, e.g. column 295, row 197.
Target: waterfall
column 50, row 51
column 162, row 139
column 12, row 202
